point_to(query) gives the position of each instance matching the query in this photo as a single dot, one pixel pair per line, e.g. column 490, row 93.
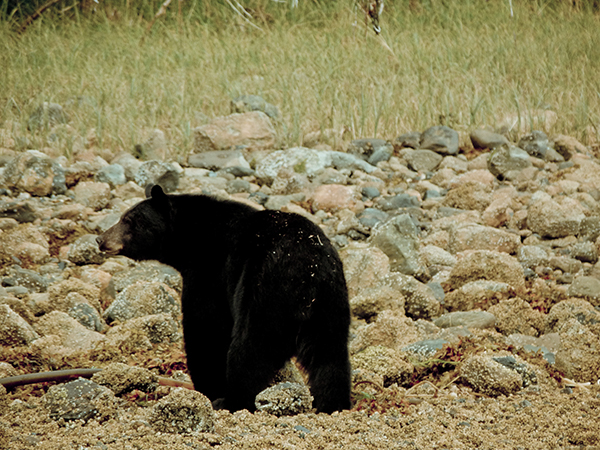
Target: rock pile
column 442, row 241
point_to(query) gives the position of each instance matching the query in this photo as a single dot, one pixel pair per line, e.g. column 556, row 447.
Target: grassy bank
column 463, row 64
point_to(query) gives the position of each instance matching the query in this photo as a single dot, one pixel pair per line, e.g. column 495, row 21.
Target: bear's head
column 142, row 230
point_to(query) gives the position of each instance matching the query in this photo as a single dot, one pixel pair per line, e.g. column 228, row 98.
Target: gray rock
column 309, row 162
column 532, row 256
column 441, row 139
column 85, row 251
column 589, row 229
column 149, row 271
column 113, row 174
column 488, row 376
column 183, row 411
column 469, row 319
column 423, row 160
column 398, row 201
column 420, row 302
column 366, row 148
column 80, row 399
column 35, row 173
column 285, row 399
column 381, row 154
column 158, row 172
column 370, row 217
column 129, row 163
column 369, row 192
column 398, row 238
column 30, row 279
column 247, row 103
column 482, row 139
column 219, row 159
column 47, row 115
column 410, row 140
column 505, row 161
column 587, row 288
column 585, row 251
column 20, row 211
column 341, row 160
column 298, row 159
column 426, row 347
column 535, row 144
column 142, row 299
column 14, row 330
column 87, row 316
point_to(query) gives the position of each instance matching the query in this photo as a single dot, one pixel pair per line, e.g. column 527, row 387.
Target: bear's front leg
column 252, row 363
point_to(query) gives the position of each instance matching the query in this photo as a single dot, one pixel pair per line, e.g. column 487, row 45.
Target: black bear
column 258, row 288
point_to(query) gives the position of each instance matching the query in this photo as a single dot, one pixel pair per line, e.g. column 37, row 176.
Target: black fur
column 258, row 288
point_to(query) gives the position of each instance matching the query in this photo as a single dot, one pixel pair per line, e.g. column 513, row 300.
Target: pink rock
column 335, row 197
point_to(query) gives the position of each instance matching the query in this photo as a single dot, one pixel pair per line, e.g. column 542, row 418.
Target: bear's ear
column 157, row 195
column 154, row 191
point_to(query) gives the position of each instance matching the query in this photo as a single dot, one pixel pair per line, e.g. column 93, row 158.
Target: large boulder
column 251, row 130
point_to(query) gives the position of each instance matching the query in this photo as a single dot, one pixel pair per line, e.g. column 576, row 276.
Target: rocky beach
column 471, row 260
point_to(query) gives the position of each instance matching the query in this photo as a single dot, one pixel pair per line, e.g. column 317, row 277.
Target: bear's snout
column 108, row 245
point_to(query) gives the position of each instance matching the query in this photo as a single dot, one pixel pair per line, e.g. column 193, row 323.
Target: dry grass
column 463, row 64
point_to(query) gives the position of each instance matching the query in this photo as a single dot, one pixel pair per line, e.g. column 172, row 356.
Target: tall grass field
column 465, row 64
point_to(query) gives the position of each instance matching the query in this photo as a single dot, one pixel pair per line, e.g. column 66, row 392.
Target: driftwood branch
column 71, row 374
